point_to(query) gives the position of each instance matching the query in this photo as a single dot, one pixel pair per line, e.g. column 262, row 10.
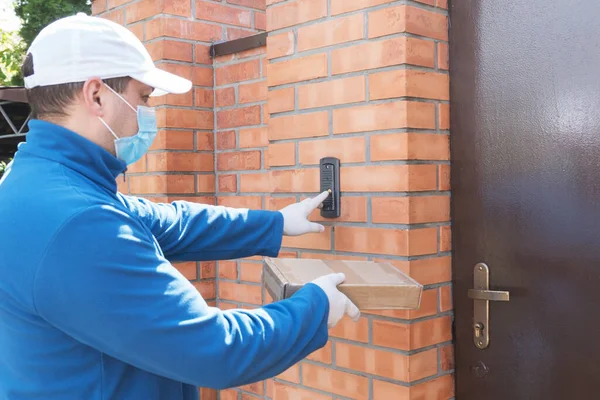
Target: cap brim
column 163, row 82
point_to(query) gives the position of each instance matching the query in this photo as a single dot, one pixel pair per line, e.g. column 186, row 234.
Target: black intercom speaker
column 330, row 180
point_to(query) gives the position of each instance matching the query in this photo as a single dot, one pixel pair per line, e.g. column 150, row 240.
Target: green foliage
column 12, row 51
column 3, row 167
column 36, row 14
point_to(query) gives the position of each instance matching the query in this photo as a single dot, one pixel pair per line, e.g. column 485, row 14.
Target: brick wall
column 362, row 80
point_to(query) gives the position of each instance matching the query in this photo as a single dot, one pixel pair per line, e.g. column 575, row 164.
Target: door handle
column 481, row 296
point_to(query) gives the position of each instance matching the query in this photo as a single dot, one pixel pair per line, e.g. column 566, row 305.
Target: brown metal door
column 525, row 129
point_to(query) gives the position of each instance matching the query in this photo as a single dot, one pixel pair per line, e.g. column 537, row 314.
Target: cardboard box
column 370, row 285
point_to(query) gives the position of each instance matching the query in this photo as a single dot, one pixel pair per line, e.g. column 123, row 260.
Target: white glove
column 295, row 216
column 339, row 303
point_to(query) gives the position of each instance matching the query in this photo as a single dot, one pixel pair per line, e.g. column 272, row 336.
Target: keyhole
column 478, row 329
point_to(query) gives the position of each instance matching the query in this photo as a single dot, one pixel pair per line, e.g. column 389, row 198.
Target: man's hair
column 53, row 100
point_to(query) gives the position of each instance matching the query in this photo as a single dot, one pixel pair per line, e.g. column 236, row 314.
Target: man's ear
column 94, row 96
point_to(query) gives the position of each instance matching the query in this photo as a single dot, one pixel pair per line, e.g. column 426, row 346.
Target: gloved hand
column 339, row 303
column 295, row 216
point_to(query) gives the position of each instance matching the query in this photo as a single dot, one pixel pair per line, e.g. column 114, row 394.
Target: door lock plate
column 482, row 296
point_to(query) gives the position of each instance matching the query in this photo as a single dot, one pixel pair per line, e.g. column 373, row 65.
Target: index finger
column 315, row 201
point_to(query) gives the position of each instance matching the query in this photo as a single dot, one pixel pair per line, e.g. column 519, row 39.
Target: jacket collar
column 56, row 143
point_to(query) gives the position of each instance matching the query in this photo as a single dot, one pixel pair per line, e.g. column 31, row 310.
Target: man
column 90, row 305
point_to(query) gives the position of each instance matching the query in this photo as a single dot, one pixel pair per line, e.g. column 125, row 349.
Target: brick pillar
column 367, row 81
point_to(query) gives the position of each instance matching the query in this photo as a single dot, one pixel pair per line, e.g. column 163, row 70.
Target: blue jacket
column 90, row 305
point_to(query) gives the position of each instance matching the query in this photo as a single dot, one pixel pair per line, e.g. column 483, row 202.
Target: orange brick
column 142, row 9
column 428, row 2
column 177, row 7
column 184, row 99
column 445, row 298
column 410, row 146
column 253, row 137
column 392, row 20
column 205, row 141
column 180, row 118
column 323, row 355
column 123, row 186
column 227, row 183
column 299, row 126
column 260, row 21
column 139, row 166
column 238, row 117
column 225, row 97
column 447, row 357
column 428, row 271
column 442, row 56
column 383, row 53
column 442, row 4
column 203, row 54
column 251, row 272
column 138, row 30
column 297, row 69
column 409, row 83
column 170, row 50
column 210, row 11
column 354, row 209
column 243, row 160
column 237, row 33
column 99, row 6
column 444, row 116
column 389, row 178
column 414, row 336
column 252, row 92
column 384, row 241
column 384, row 116
column 445, row 238
column 277, row 203
column 336, row 382
column 116, row 16
column 292, row 374
column 439, row 388
column 229, row 394
column 333, row 92
column 331, row 32
column 255, row 183
column 116, row 3
column 225, row 140
column 206, row 183
column 281, row 100
column 180, row 162
column 348, row 150
column 257, row 4
column 280, row 154
column 207, row 270
column 317, row 241
column 296, row 180
column 228, row 270
column 444, row 177
column 208, row 394
column 344, row 6
column 255, row 387
column 206, row 288
column 240, row 292
column 187, row 269
column 280, row 45
column 243, row 71
column 281, row 391
column 157, row 184
column 204, row 97
column 294, row 13
column 350, row 330
column 386, row 364
column 182, row 29
column 410, row 210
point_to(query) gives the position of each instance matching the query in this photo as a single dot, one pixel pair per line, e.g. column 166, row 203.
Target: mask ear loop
column 121, row 97
column 108, row 127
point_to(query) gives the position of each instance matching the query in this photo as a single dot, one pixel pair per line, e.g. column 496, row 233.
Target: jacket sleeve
column 188, row 231
column 103, row 282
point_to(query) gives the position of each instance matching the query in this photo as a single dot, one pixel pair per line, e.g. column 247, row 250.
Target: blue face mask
column 130, row 149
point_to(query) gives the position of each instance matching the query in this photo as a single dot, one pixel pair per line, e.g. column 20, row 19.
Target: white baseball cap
column 80, row 47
